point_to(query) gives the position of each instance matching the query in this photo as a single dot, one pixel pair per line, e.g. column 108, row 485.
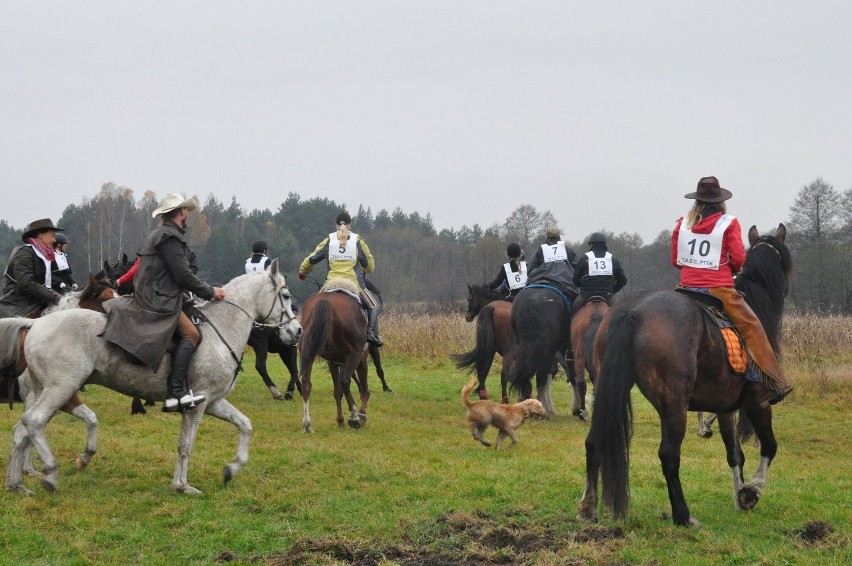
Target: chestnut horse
column 662, row 342
column 493, row 336
column 335, row 328
column 584, row 326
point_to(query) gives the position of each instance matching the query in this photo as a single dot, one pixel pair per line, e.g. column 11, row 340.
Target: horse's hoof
column 584, row 517
column 275, row 393
column 288, row 395
column 693, row 522
column 228, row 475
column 580, row 414
column 81, row 463
column 309, row 429
column 388, row 390
column 48, row 485
column 355, row 423
column 187, row 490
column 20, row 488
column 748, row 497
column 706, row 434
column 483, row 394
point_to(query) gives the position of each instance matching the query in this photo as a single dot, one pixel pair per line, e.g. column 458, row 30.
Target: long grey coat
column 23, row 284
column 144, row 323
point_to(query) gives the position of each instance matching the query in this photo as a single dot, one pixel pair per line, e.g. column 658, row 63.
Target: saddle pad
column 737, row 357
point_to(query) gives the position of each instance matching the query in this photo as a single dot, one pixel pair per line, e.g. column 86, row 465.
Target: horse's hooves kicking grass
column 748, row 497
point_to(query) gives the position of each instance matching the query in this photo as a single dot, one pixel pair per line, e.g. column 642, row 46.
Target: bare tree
column 526, row 225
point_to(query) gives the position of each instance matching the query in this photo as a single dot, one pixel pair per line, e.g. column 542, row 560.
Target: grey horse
column 60, row 361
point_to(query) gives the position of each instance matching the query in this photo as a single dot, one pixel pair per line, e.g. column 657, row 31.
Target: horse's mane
column 763, row 280
column 482, row 290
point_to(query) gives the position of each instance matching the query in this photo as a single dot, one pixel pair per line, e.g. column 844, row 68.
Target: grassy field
column 413, row 487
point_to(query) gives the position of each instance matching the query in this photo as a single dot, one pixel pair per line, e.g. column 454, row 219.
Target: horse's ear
column 753, row 235
column 273, row 267
column 93, row 283
column 123, row 258
column 107, row 269
column 781, row 232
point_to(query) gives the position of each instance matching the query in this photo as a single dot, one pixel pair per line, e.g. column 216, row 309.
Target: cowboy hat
column 172, row 201
column 37, row 226
column 709, row 191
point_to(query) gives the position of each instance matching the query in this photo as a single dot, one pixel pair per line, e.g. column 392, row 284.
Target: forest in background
column 420, row 266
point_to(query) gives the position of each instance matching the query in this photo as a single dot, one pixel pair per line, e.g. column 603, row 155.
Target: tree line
column 418, row 265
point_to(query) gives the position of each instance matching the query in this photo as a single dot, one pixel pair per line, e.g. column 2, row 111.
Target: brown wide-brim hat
column 37, row 226
column 709, row 191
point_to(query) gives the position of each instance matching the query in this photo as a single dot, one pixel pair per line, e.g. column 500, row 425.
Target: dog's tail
column 468, row 387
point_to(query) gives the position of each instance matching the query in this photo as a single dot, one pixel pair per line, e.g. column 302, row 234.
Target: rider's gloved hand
column 74, row 287
column 301, row 276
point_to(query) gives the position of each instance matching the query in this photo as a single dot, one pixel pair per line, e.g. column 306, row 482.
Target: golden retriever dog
column 506, row 418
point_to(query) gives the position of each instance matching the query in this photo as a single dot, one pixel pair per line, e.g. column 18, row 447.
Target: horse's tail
column 465, row 392
column 532, row 353
column 589, row 339
column 317, row 333
column 612, row 417
column 10, row 330
column 745, row 428
column 482, row 355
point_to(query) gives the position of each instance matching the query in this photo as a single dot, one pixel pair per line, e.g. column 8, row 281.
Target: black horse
column 541, row 316
column 662, row 342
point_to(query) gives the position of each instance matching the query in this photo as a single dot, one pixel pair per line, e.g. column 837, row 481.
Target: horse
column 584, row 326
column 541, row 317
column 335, row 329
column 65, row 350
column 661, row 342
column 92, row 297
column 494, row 335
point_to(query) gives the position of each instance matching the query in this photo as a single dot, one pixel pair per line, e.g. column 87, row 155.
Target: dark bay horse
column 493, row 336
column 661, row 342
column 335, row 329
column 541, row 317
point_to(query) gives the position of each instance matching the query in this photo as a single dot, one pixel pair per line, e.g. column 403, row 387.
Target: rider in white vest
column 552, row 264
column 597, row 273
column 258, row 261
column 62, row 281
column 512, row 276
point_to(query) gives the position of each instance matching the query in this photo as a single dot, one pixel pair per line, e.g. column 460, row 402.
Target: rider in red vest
column 707, row 248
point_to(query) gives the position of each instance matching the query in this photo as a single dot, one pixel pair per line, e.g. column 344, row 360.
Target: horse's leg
column 587, row 511
column 19, row 458
column 673, row 424
column 761, row 420
column 508, row 359
column 35, row 419
column 356, row 417
column 261, row 353
column 543, row 388
column 288, row 356
column 363, row 389
column 733, row 452
column 188, row 430
column 334, row 369
column 306, row 394
column 376, row 356
column 222, row 409
column 578, row 384
column 76, row 407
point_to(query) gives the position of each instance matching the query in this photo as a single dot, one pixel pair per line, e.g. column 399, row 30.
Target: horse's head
column 96, row 293
column 768, row 260
column 279, row 312
column 478, row 295
column 118, row 269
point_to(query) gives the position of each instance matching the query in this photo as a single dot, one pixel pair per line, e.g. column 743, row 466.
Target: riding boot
column 176, row 400
column 571, row 376
column 372, row 328
column 774, row 387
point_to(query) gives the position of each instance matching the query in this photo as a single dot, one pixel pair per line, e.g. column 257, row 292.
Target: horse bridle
column 281, row 322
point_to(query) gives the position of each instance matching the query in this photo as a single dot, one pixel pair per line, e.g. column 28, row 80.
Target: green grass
column 413, row 484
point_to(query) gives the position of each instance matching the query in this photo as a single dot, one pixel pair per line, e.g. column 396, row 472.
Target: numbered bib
column 516, row 279
column 599, row 265
column 702, row 251
column 554, row 252
column 252, row 267
column 61, row 261
column 348, row 251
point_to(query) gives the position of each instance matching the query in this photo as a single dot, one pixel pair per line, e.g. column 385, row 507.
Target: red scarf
column 45, row 251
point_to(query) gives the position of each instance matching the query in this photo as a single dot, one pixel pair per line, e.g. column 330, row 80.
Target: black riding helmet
column 60, row 239
column 259, row 247
column 513, row 250
column 597, row 238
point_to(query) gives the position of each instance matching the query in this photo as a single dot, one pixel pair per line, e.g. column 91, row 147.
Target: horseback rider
column 62, row 280
column 344, row 250
column 512, row 276
column 598, row 273
column 143, row 323
column 27, row 280
column 258, row 260
column 708, row 255
column 552, row 264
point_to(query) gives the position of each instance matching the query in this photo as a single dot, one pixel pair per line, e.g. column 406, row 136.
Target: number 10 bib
column 702, row 251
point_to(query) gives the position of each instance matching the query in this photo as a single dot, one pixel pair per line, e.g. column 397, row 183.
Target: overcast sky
column 604, row 113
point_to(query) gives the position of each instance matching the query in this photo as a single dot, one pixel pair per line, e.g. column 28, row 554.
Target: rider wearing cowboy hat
column 144, row 323
column 708, row 255
column 27, row 278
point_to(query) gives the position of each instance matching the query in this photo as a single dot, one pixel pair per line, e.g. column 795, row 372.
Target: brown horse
column 335, row 329
column 493, row 336
column 661, row 342
column 584, row 327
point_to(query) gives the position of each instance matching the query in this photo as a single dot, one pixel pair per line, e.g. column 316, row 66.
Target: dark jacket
column 23, row 284
column 143, row 323
column 560, row 274
column 603, row 285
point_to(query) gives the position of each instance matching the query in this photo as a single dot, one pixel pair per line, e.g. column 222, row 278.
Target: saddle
column 712, row 310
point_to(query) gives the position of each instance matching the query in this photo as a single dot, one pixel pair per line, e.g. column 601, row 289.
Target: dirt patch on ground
column 459, row 538
column 814, row 532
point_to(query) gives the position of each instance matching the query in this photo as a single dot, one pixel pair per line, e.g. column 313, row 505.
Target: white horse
column 64, row 351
